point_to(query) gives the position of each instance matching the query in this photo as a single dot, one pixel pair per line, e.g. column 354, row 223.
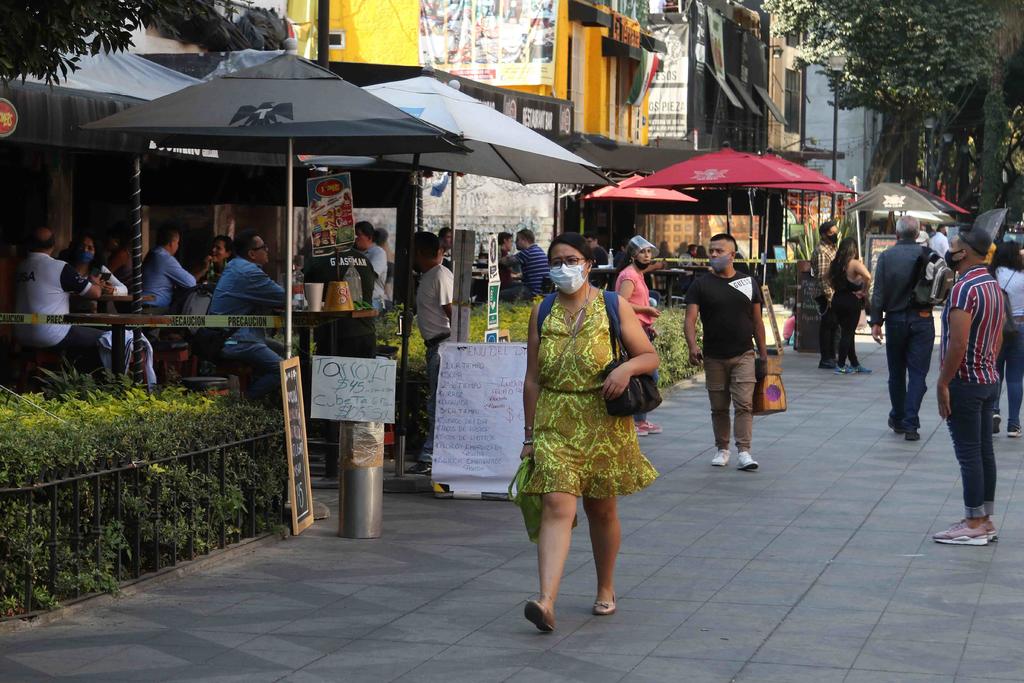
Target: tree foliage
column 905, row 58
column 46, row 38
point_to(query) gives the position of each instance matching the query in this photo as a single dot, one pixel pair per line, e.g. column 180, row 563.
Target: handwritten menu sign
column 808, row 320
column 300, row 493
column 876, row 245
column 353, row 389
column 478, row 432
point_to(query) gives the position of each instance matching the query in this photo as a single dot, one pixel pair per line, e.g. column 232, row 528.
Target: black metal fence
column 82, row 532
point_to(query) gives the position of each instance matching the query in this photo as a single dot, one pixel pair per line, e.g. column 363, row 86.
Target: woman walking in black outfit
column 851, row 280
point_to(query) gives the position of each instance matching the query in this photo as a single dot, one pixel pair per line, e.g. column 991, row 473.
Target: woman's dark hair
column 702, row 251
column 845, row 252
column 1007, row 256
column 574, row 240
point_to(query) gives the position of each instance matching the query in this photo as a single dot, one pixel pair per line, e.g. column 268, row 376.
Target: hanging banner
column 507, row 43
column 331, row 222
column 667, row 103
column 715, row 30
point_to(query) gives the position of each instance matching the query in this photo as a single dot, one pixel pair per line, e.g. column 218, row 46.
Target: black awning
column 622, row 157
column 743, row 90
column 588, row 15
column 613, row 48
column 652, row 44
column 770, row 103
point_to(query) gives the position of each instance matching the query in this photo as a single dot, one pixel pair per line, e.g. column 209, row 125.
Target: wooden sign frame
column 300, row 490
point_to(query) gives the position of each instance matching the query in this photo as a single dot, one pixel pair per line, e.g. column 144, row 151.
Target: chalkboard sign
column 478, row 433
column 808, row 321
column 353, row 389
column 876, row 245
column 300, row 493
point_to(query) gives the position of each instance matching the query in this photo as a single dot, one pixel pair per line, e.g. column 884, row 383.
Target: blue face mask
column 86, row 256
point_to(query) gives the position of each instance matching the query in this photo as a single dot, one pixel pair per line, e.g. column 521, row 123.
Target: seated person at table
column 161, row 272
column 532, row 260
column 509, row 271
column 244, row 289
column 221, row 251
column 115, row 252
column 45, row 285
column 600, row 255
column 83, row 257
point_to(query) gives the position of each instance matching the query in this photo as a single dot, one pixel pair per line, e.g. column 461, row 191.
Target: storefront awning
column 770, row 103
column 624, row 158
column 743, row 90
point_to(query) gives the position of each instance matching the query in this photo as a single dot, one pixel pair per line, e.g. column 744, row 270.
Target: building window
column 792, row 102
column 793, row 39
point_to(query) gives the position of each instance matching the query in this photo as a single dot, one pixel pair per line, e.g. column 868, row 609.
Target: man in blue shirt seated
column 244, row 289
column 161, row 272
column 533, row 259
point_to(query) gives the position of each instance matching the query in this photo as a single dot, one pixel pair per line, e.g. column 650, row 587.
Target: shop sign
column 8, row 118
column 625, row 30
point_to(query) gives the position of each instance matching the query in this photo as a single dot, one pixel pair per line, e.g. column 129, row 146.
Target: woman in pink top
column 631, row 286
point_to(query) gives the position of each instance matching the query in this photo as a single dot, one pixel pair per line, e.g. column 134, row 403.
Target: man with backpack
column 910, row 280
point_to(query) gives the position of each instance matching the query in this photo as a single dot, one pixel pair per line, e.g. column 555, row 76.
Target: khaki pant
column 731, row 379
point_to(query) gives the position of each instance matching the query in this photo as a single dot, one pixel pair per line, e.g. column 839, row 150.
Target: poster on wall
column 330, row 218
column 500, row 42
column 667, row 102
column 716, row 40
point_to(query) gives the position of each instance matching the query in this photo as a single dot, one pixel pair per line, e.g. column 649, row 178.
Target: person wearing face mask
column 968, row 387
column 577, row 448
column 728, row 304
column 824, row 255
column 83, row 257
column 910, row 328
column 631, row 286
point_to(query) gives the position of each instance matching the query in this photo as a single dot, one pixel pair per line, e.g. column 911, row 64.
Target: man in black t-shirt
column 355, row 337
column 729, row 306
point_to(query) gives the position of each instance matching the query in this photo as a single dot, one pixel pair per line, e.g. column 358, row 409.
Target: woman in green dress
column 578, row 449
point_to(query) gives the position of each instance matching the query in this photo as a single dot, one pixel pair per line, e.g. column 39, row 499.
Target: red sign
column 8, row 118
column 329, row 188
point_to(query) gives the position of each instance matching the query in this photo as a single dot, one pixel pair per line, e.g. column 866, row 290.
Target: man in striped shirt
column 533, row 260
column 968, row 386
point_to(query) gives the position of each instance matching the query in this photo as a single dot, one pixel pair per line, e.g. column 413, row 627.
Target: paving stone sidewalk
column 816, row 568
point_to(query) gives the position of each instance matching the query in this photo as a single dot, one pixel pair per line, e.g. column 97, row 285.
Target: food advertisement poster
column 500, row 42
column 330, row 217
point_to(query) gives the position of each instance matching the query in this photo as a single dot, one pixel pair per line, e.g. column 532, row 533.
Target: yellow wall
column 387, row 32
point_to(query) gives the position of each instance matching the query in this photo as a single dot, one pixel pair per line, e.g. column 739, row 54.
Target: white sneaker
column 721, row 459
column 746, row 462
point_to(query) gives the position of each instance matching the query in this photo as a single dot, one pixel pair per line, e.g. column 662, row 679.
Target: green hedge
column 97, row 430
column 670, row 344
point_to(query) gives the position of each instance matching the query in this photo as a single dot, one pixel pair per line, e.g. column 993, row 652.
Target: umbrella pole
column 856, row 217
column 289, row 241
column 728, row 211
column 407, row 322
column 138, row 371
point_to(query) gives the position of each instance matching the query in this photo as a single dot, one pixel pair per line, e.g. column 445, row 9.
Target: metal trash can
column 361, row 489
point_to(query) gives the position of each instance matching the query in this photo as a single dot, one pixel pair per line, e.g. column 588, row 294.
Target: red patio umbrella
column 945, row 205
column 729, row 168
column 628, row 191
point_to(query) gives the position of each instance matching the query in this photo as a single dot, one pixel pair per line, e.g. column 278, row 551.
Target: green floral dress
column 578, row 447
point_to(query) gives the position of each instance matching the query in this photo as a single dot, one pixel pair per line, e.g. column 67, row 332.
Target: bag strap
column 611, row 308
column 544, row 310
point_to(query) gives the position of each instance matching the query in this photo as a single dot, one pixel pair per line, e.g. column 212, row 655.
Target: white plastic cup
column 315, row 296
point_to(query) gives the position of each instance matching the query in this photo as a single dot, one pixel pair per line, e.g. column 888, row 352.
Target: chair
column 176, row 354
column 31, row 360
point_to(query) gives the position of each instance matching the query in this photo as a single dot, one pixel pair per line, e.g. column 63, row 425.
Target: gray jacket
column 894, row 279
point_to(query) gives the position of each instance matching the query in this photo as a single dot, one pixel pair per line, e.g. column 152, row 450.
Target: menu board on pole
column 353, row 389
column 300, row 492
column 478, row 432
column 332, row 225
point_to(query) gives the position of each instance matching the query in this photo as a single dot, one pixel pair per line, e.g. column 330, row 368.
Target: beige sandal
column 604, row 609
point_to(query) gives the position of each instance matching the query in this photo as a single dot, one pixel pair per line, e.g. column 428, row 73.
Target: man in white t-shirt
column 433, row 316
column 939, row 243
column 378, row 259
column 45, row 285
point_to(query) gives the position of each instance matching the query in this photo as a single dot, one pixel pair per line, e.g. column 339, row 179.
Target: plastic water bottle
column 298, row 287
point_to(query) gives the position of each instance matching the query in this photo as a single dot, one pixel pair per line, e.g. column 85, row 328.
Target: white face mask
column 567, row 278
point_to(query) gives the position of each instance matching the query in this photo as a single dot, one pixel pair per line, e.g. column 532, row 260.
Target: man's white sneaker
column 746, row 462
column 721, row 459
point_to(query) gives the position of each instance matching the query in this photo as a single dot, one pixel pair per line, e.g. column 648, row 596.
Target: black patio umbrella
column 896, row 197
column 287, row 105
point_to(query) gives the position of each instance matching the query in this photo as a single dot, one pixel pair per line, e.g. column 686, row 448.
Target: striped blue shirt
column 535, row 267
column 977, row 293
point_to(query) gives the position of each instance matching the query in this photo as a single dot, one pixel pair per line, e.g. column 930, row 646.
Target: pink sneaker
column 641, row 429
column 651, row 427
column 961, row 534
column 993, row 535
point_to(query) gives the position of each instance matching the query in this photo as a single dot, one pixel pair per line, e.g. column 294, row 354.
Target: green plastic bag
column 529, row 504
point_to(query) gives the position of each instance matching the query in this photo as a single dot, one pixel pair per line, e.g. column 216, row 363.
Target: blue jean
column 908, row 350
column 642, row 417
column 970, row 426
column 264, row 359
column 433, row 368
column 1011, row 368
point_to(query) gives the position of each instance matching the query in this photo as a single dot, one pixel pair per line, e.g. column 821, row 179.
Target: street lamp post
column 836, row 64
